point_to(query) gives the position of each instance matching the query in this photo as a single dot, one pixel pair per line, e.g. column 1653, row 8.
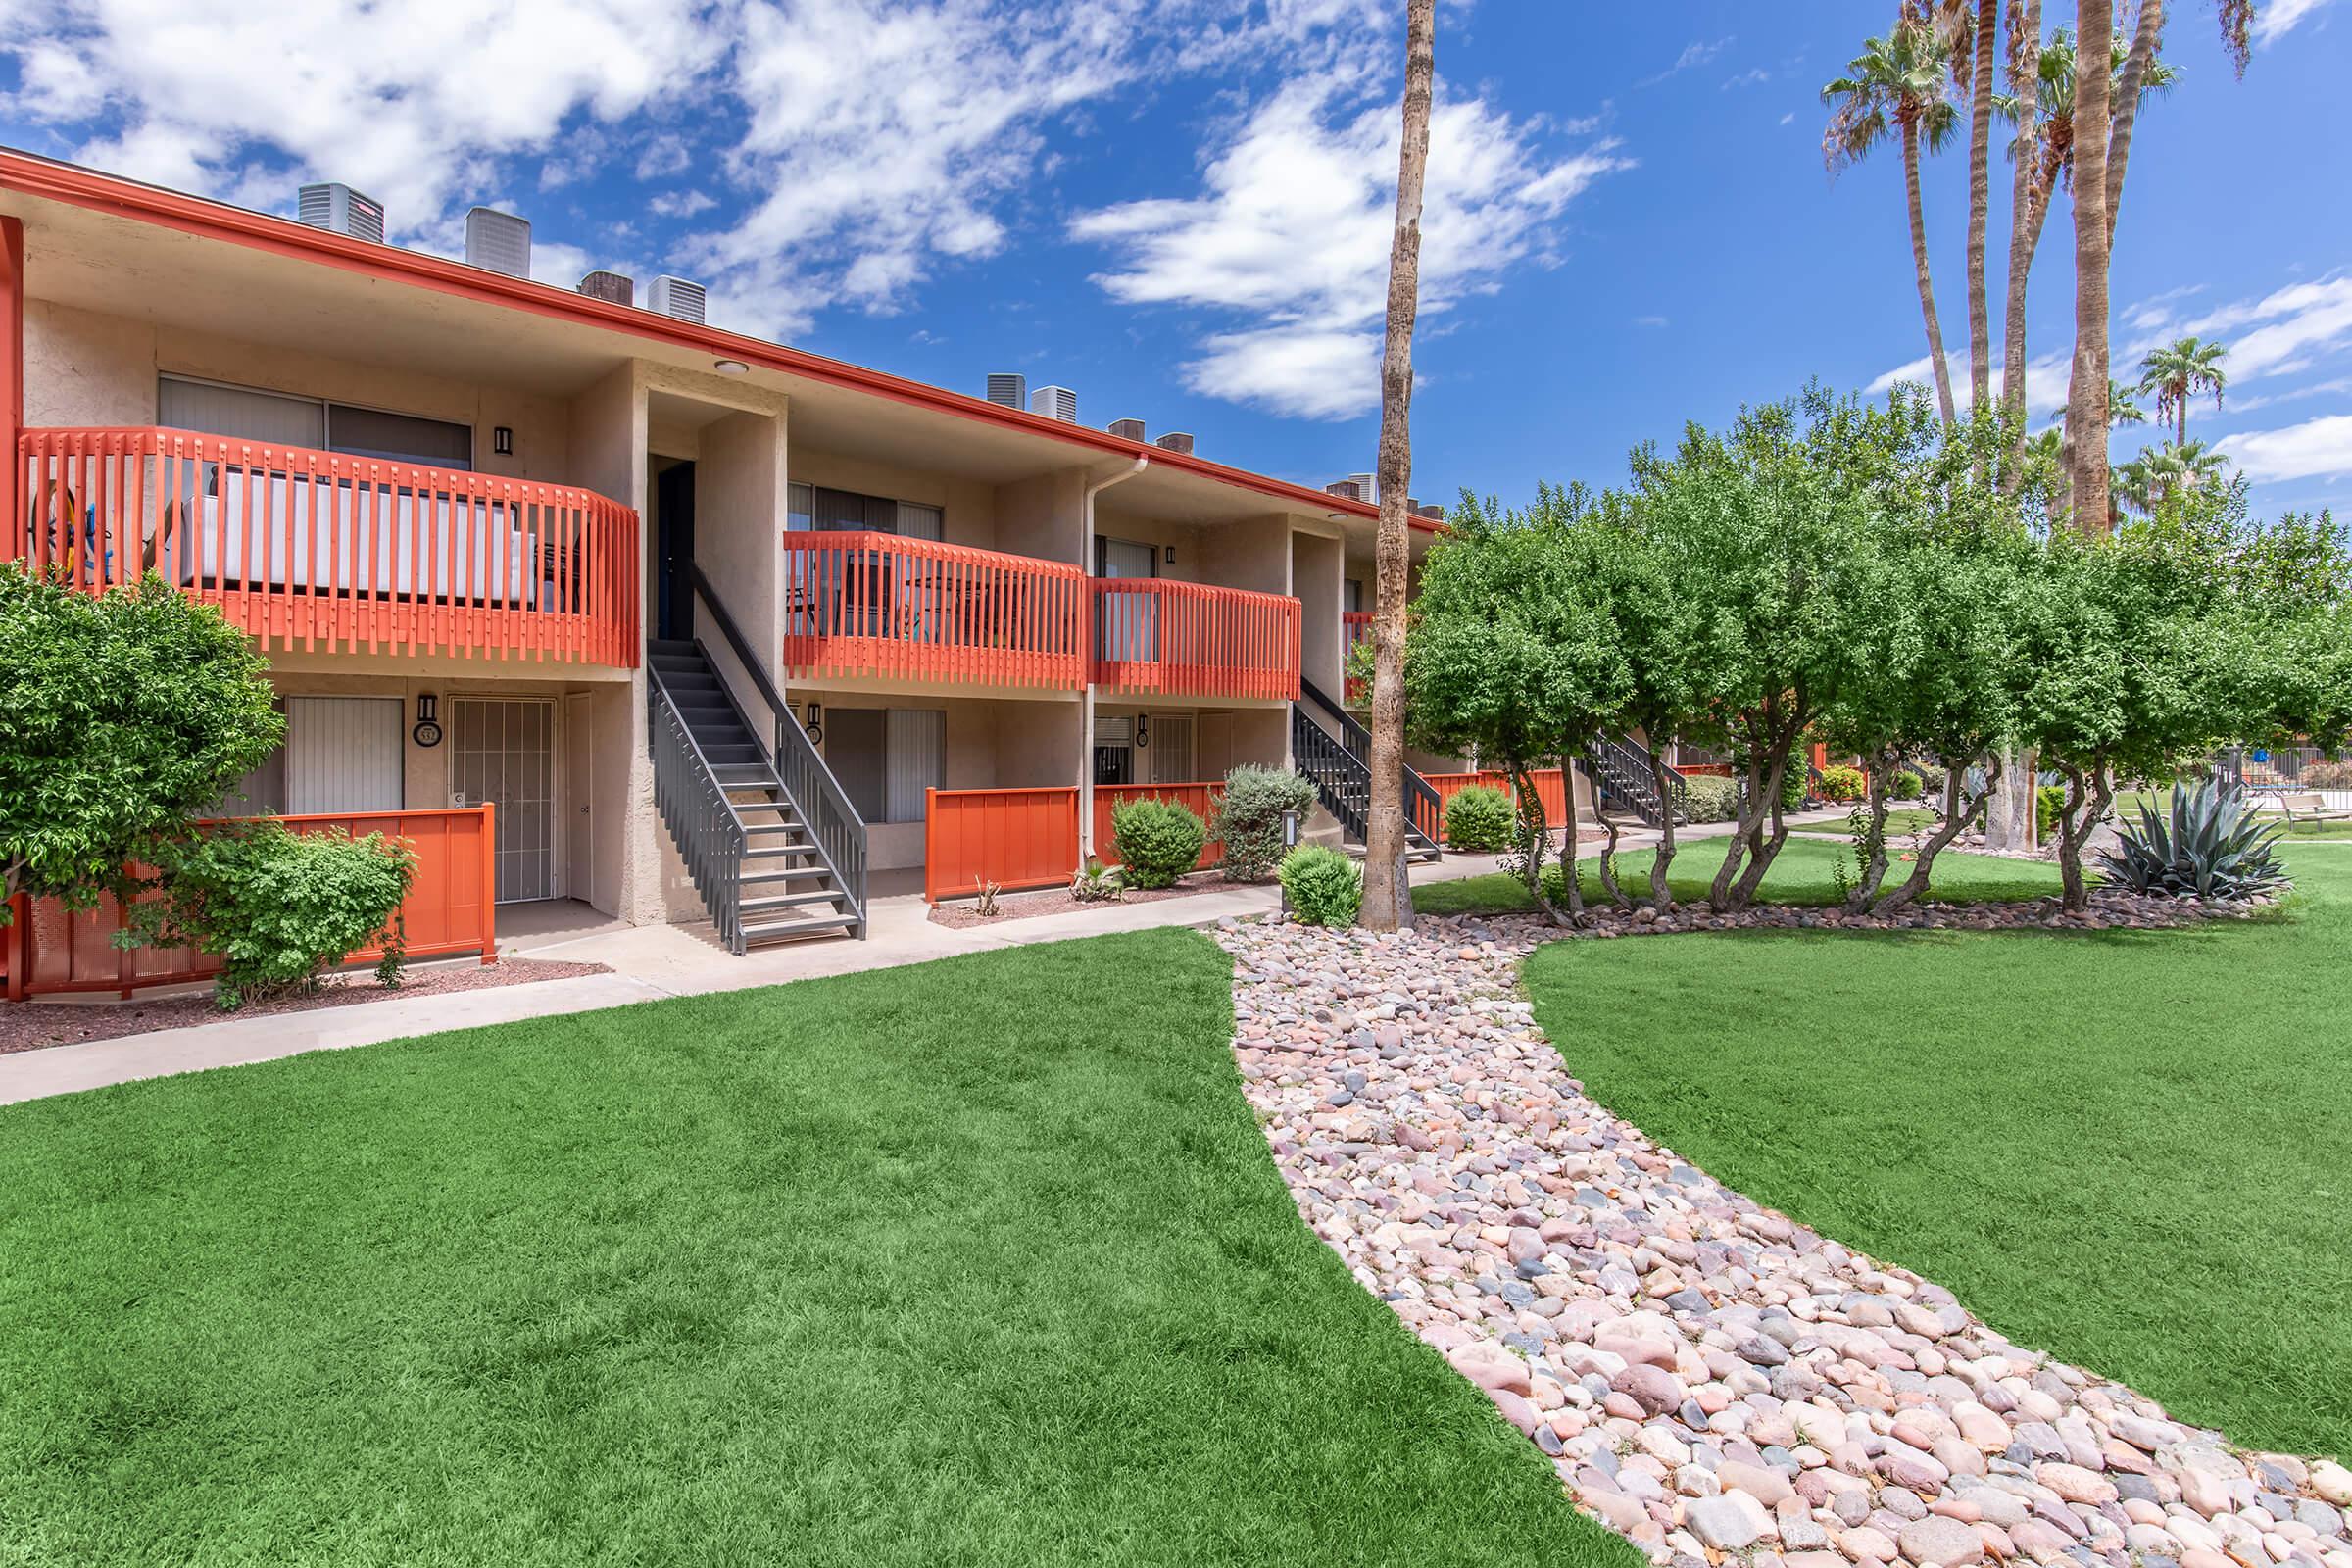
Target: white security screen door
column 503, row 751
column 343, row 754
column 1173, row 751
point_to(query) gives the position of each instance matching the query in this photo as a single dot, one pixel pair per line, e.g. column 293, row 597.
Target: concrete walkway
column 647, row 962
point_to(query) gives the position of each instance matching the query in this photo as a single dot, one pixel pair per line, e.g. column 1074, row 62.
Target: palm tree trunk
column 2024, row 231
column 2086, row 404
column 1387, row 892
column 2180, row 422
column 1979, row 186
column 1918, row 258
column 2146, row 38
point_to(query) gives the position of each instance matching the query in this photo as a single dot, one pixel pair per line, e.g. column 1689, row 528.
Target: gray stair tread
column 787, row 900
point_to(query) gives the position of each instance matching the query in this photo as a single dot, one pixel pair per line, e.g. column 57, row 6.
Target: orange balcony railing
column 1357, row 624
column 1187, row 639
column 875, row 604
column 318, row 548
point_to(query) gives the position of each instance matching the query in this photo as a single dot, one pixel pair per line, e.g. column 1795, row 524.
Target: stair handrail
column 809, row 784
column 1420, row 795
column 702, row 820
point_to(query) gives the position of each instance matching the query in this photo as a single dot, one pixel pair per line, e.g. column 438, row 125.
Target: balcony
column 1157, row 637
column 879, row 604
column 322, row 550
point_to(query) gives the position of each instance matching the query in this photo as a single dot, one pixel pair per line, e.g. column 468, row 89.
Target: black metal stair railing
column 1621, row 776
column 1424, row 807
column 695, row 807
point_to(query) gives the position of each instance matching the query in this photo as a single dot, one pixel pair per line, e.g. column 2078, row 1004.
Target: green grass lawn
column 977, row 1262
column 2130, row 1150
column 1801, row 874
column 1900, row 822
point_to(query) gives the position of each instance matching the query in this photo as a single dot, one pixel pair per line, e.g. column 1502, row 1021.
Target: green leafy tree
column 1515, row 656
column 1766, row 530
column 120, row 714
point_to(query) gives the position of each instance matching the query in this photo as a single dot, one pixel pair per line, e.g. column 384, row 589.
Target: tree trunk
column 1918, row 259
column 2146, row 39
column 2086, row 402
column 2086, row 804
column 2180, row 425
column 1870, row 857
column 1979, row 202
column 1660, row 896
column 2024, row 231
column 1388, row 892
column 1608, row 849
column 1957, row 810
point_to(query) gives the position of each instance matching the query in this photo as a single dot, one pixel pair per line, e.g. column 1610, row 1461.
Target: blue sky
column 1181, row 206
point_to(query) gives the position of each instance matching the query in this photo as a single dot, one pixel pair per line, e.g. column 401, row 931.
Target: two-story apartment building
column 725, row 628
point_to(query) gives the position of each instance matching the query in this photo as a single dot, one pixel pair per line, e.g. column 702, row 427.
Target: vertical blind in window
column 1171, row 750
column 915, row 752
column 816, row 508
column 246, row 415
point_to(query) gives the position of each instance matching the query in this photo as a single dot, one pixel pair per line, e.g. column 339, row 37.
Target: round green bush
column 2048, row 802
column 1794, row 784
column 1841, row 782
column 1707, row 797
column 1906, row 785
column 1478, row 820
column 1158, row 841
column 1324, row 886
column 1250, row 818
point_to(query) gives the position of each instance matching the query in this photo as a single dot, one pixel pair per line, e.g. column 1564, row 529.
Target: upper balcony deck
column 315, row 549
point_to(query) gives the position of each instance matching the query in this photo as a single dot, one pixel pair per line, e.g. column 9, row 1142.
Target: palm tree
column 2178, row 372
column 1967, row 30
column 1895, row 87
column 2176, row 466
column 2120, row 410
column 2022, row 106
column 1388, row 892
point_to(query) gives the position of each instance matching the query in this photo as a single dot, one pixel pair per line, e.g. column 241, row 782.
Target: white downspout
column 1086, row 693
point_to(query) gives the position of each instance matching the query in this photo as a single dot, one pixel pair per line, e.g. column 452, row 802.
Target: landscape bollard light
column 1290, row 842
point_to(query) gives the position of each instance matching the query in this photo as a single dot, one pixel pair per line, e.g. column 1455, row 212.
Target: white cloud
column 1650, row 321
column 2341, row 386
column 2277, row 18
column 2282, row 332
column 1291, row 230
column 1697, row 52
column 2316, row 448
column 680, row 204
column 404, row 102
column 1747, row 79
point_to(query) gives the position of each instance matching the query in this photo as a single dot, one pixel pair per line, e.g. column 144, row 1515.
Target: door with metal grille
column 503, row 751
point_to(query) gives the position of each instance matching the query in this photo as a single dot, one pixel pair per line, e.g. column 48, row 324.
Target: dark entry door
column 673, row 552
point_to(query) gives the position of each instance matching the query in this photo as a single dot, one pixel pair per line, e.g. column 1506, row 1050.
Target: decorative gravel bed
column 33, row 1025
column 1710, row 1379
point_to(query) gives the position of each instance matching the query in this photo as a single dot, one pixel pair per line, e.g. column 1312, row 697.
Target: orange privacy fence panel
column 1013, row 838
column 1359, row 629
column 448, row 910
column 1551, row 789
column 1198, row 799
column 327, row 549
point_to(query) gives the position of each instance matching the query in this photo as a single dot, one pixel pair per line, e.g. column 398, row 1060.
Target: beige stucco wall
column 967, row 507
column 1045, row 516
column 1254, row 555
column 1315, row 567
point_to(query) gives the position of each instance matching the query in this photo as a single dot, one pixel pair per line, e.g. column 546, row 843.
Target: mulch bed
column 33, row 1025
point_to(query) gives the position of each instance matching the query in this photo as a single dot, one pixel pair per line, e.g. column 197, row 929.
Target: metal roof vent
column 1127, row 429
column 613, row 288
column 343, row 209
column 1008, row 389
column 1055, row 402
column 1176, row 441
column 1346, row 489
column 499, row 241
column 1432, row 511
column 675, row 296
column 1367, row 488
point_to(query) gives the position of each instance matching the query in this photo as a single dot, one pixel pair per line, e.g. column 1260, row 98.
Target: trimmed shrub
column 1708, row 798
column 1477, row 819
column 1841, row 782
column 1324, row 886
column 1905, row 785
column 1158, row 841
column 2327, row 777
column 1250, row 818
column 279, row 907
column 1932, row 780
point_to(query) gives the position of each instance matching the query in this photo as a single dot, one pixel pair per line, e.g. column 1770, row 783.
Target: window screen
column 240, row 413
column 398, row 437
column 917, row 760
column 814, row 507
column 1173, row 751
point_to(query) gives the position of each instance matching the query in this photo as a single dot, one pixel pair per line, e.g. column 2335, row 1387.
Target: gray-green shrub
column 1158, row 841
column 278, row 907
column 1710, row 797
column 1324, row 886
column 1250, row 818
column 1477, row 819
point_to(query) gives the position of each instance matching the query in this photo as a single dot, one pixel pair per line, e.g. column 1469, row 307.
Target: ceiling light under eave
column 730, row 367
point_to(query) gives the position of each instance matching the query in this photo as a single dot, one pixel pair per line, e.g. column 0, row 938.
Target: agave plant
column 2210, row 844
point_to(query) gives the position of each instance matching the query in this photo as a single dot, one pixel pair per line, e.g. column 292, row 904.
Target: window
column 1171, row 750
column 1355, row 587
column 887, row 757
column 812, row 507
column 246, row 415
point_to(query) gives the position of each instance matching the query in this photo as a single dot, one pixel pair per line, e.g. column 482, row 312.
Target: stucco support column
column 11, row 367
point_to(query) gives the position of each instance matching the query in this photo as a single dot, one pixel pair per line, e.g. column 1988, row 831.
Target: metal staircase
column 1338, row 766
column 768, row 837
column 1620, row 771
